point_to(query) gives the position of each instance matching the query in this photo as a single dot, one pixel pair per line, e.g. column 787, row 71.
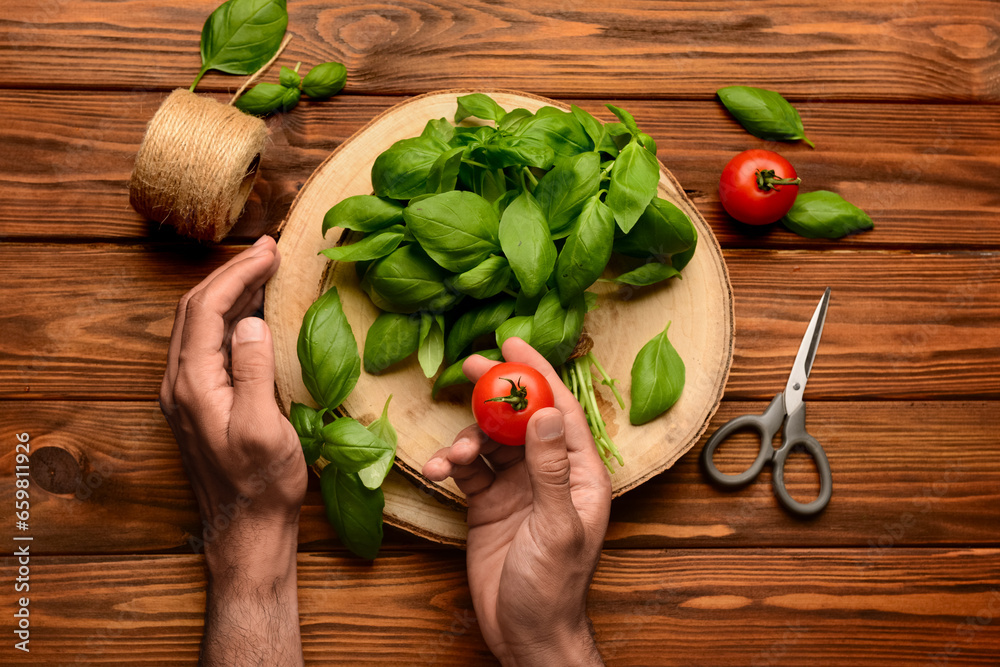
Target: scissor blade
column 796, row 386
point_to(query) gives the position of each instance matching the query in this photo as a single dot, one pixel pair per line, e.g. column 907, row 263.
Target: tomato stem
column 517, row 399
column 766, row 180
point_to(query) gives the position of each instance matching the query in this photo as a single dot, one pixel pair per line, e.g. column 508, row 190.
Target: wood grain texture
column 717, row 607
column 926, row 174
column 901, row 325
column 904, row 474
column 893, row 50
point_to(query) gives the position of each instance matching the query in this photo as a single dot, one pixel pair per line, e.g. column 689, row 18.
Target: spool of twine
column 197, row 165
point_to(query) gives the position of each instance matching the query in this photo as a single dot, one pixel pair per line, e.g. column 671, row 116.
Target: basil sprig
column 764, row 113
column 825, row 215
column 265, row 98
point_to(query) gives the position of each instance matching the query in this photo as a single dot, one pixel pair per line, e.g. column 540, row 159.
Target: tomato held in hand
column 505, row 398
column 758, row 187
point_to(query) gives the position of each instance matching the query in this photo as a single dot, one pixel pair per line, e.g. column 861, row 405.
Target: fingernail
column 550, row 426
column 249, row 330
column 262, row 240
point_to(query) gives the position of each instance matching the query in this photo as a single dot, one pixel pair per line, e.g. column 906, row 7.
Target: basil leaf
column 430, row 351
column 825, row 215
column 634, row 179
column 391, row 338
column 328, row 352
column 559, row 130
column 524, row 237
column 626, row 118
column 480, row 106
column 363, row 213
column 763, row 113
column 453, row 375
column 527, row 305
column 564, row 190
column 241, row 36
column 593, row 127
column 350, row 446
column 586, row 251
column 457, row 229
column 481, row 320
column 289, row 78
column 373, row 476
column 555, row 330
column 444, row 172
column 591, row 300
column 489, row 184
column 290, row 98
column 657, row 379
column 647, row 142
column 513, row 118
column 401, row 171
column 486, row 279
column 515, row 327
column 515, row 152
column 262, row 99
column 647, row 274
column 324, row 80
column 308, row 423
column 661, row 231
column 372, row 246
column 440, row 129
column 681, row 259
column 354, row 511
column 406, row 281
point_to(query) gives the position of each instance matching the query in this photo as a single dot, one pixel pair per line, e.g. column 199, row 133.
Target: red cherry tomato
column 758, row 187
column 505, row 398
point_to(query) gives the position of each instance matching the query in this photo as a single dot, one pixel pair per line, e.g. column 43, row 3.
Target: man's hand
column 537, row 518
column 244, row 461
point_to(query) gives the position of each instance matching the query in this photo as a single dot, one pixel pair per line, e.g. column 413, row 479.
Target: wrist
column 573, row 645
column 254, row 553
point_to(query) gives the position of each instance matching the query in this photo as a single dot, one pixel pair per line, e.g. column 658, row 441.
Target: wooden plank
column 904, row 473
column 717, row 606
column 859, row 49
column 927, row 331
column 924, row 173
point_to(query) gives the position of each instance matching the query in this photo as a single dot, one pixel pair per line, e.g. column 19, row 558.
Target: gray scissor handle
column 766, row 426
column 795, row 435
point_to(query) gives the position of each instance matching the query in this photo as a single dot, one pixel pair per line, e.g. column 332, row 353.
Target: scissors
column 786, row 413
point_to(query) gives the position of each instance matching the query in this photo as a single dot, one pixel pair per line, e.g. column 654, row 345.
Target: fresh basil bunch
column 486, row 231
column 320, row 83
column 355, row 459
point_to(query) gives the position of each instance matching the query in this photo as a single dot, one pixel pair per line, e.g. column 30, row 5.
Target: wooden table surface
column 903, row 102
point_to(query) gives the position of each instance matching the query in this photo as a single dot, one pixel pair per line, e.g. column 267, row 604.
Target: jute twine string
column 197, row 163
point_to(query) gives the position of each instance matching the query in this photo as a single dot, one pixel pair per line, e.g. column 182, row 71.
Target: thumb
column 547, row 463
column 253, row 369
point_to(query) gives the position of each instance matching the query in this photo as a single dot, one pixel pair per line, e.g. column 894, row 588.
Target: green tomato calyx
column 518, row 397
column 766, row 180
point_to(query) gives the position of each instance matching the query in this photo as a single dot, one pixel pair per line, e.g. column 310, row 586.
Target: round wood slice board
column 699, row 307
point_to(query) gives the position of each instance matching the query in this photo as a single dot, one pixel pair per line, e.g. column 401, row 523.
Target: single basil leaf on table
column 308, row 423
column 430, row 352
column 661, row 231
column 486, row 279
column 559, row 130
column 372, row 246
column 525, row 240
column 401, row 171
column 626, row 118
column 657, row 379
column 480, row 106
column 241, row 36
column 515, row 327
column 363, row 213
column 444, row 172
column 453, row 375
column 324, row 80
column 407, row 280
column 825, row 215
column 457, row 229
column 564, row 190
column 647, row 274
column 479, row 321
column 262, row 99
column 289, row 78
column 586, row 251
column 634, row 179
column 391, row 338
column 328, row 352
column 373, row 476
column 350, row 446
column 555, row 330
column 763, row 113
column 354, row 510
